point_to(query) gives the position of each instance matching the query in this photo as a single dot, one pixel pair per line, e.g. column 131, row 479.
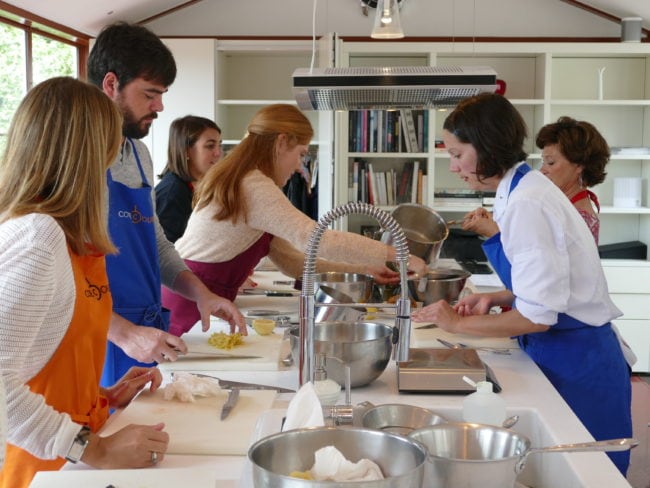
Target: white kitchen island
column 544, row 418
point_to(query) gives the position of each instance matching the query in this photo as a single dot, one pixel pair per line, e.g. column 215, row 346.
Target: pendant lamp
column 387, row 22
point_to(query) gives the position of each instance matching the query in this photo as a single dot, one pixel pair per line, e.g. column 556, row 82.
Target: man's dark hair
column 130, row 51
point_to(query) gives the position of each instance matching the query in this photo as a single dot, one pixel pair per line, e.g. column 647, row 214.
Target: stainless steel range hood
column 359, row 88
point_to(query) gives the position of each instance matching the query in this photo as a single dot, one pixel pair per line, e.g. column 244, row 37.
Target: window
column 31, row 52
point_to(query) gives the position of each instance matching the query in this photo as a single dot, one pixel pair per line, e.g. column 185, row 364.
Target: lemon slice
column 263, row 326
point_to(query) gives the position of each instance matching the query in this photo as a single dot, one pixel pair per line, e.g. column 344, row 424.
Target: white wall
column 191, row 94
column 503, row 18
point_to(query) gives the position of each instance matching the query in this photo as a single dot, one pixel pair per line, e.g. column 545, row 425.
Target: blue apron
column 134, row 273
column 585, row 364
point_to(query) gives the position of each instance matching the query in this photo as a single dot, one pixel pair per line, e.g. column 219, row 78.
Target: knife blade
column 244, row 386
column 271, row 293
column 214, row 355
column 231, row 401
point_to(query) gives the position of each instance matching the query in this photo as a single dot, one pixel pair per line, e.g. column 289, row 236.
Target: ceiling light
column 387, row 22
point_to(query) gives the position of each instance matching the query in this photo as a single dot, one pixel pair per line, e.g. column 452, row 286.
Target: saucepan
column 477, row 455
column 425, row 231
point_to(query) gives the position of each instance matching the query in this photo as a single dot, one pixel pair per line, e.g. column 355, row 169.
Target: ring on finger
column 154, row 457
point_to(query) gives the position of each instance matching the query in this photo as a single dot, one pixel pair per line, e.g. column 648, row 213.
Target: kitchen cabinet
column 629, row 287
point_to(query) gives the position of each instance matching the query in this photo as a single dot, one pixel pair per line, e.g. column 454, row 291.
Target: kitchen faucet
column 402, row 329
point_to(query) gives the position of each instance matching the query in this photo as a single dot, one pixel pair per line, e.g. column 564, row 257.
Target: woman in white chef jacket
column 549, row 263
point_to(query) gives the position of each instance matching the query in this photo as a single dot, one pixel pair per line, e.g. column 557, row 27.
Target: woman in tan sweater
column 241, row 216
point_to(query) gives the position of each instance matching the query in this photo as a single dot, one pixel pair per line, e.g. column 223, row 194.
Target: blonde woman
column 241, row 215
column 55, row 303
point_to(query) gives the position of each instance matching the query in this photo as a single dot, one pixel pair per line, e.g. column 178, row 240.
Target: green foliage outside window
column 50, row 58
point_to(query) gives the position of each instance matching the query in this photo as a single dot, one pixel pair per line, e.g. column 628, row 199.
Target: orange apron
column 70, row 380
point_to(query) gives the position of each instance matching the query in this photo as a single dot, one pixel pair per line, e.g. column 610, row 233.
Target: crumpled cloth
column 304, row 409
column 331, row 465
column 186, row 387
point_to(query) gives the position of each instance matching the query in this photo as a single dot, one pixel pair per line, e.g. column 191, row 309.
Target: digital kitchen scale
column 442, row 370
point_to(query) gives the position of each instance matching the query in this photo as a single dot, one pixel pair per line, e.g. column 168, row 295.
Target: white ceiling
column 89, row 16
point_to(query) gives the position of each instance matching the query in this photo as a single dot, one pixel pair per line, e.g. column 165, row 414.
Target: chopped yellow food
column 263, row 326
column 221, row 340
column 303, row 475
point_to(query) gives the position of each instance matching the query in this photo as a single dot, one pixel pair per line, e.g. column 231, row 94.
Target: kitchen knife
column 214, row 355
column 244, row 386
column 271, row 293
column 231, row 401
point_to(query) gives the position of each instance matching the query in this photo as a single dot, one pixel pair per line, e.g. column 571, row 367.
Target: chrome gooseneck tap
column 307, row 300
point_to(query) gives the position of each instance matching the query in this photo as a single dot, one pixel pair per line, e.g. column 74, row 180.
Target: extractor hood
column 359, row 88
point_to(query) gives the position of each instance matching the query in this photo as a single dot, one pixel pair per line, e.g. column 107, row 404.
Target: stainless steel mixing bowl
column 442, row 284
column 356, row 286
column 400, row 459
column 364, row 346
column 400, row 418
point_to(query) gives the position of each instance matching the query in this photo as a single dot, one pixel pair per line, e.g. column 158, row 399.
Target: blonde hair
column 221, row 185
column 62, row 139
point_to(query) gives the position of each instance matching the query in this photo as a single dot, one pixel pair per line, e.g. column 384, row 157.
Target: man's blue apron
column 134, row 273
column 585, row 364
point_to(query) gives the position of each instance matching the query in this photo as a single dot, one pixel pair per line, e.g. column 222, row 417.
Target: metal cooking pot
column 485, row 456
column 425, row 231
column 400, row 459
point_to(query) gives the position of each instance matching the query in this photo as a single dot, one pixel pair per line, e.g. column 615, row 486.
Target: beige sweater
column 210, row 241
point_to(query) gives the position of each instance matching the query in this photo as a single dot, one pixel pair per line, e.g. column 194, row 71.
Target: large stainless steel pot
column 400, row 459
column 424, row 228
column 484, row 456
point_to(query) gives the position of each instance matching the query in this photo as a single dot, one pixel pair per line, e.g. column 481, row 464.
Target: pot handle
column 607, row 445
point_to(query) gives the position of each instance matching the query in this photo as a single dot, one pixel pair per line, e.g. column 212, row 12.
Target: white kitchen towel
column 331, row 465
column 304, row 409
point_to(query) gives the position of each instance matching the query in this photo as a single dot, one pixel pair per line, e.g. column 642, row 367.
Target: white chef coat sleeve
column 534, row 243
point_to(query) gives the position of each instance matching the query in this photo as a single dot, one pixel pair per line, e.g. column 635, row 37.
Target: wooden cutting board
column 195, row 428
column 267, row 347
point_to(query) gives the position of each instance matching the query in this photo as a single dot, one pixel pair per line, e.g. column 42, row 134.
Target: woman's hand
column 441, row 314
column 474, row 304
column 128, row 448
column 209, row 303
column 481, row 222
column 121, row 393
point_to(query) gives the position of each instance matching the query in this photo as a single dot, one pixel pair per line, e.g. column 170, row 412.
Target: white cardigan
column 37, row 296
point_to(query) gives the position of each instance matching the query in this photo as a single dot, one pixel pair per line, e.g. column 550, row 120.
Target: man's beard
column 135, row 129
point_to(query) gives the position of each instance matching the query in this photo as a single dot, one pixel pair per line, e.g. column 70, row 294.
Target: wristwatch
column 78, row 445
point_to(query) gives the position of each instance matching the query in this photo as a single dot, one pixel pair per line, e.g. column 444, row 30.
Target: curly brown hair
column 581, row 144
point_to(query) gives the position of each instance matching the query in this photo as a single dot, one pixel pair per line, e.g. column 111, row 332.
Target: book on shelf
column 403, row 130
column 411, row 135
column 414, row 182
